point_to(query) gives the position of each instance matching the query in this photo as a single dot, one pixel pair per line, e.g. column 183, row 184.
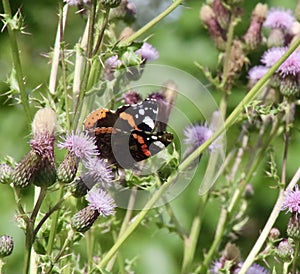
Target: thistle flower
column 287, row 72
column 196, row 135
column 81, row 145
column 291, row 201
column 98, row 171
column 6, row 246
column 253, row 35
column 38, row 165
column 101, row 202
column 280, row 18
column 285, row 251
column 131, row 97
column 110, row 66
column 256, row 73
column 147, row 52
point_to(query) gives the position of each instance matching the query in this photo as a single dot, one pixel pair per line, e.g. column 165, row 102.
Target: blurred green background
column 180, row 39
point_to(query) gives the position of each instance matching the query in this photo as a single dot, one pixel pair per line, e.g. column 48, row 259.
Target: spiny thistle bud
column 67, row 169
column 253, row 35
column 78, row 188
column 38, row 165
column 218, row 35
column 289, row 86
column 84, row 219
column 6, row 172
column 293, row 229
column 285, row 251
column 110, row 3
column 6, row 245
column 222, row 13
column 22, row 175
column 274, row 234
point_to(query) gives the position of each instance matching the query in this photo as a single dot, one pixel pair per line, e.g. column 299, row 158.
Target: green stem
column 125, row 223
column 17, row 61
column 270, row 223
column 190, row 242
column 296, row 254
column 230, row 35
column 152, row 23
column 54, row 225
column 1, row 265
column 30, row 230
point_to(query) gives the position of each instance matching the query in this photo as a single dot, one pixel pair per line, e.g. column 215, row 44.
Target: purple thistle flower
column 131, row 97
column 82, row 145
column 291, row 65
column 256, row 73
column 98, row 171
column 271, row 56
column 148, row 52
column 110, row 66
column 280, row 18
column 101, row 201
column 257, row 269
column 291, row 200
column 196, row 135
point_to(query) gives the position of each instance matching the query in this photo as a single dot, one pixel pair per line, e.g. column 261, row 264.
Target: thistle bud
column 67, row 169
column 5, row 174
column 222, row 13
column 110, row 3
column 285, row 251
column 78, row 188
column 289, row 86
column 218, row 35
column 253, row 35
column 6, row 246
column 84, row 219
column 293, row 229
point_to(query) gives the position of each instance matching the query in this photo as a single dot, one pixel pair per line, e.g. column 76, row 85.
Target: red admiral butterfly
column 128, row 135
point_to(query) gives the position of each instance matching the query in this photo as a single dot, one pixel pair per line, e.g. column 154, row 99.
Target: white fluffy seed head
column 44, row 121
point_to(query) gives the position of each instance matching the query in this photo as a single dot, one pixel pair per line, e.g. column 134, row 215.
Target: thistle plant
column 89, row 185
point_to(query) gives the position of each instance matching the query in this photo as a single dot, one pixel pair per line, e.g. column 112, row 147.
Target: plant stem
column 125, row 223
column 265, row 232
column 30, row 228
column 296, row 254
column 190, row 242
column 152, row 23
column 17, row 61
column 56, row 51
column 54, row 225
